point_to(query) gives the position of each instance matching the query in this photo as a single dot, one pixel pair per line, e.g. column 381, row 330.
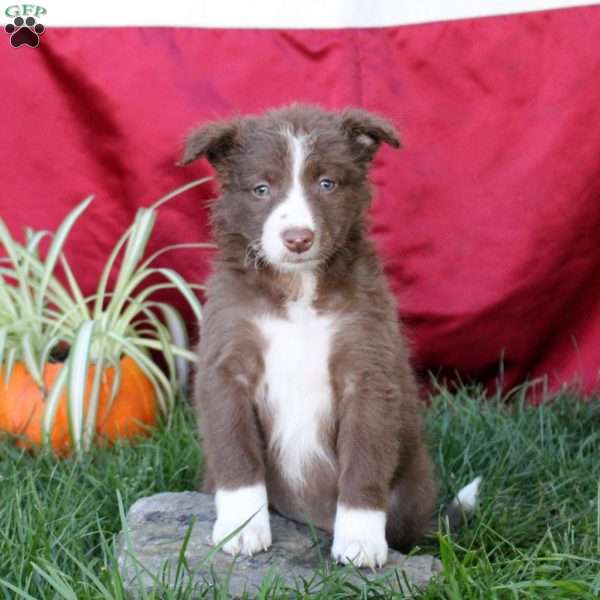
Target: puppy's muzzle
column 298, row 239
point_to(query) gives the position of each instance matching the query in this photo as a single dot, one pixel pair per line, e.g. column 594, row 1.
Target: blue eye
column 262, row 191
column 326, row 185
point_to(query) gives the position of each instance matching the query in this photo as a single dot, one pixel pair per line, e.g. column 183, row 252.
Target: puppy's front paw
column 359, row 537
column 361, row 553
column 234, row 508
column 254, row 537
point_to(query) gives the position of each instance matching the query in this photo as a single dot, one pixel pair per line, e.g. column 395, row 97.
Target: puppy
column 305, row 395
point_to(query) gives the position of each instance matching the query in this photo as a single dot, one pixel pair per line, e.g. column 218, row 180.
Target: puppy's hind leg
column 411, row 508
column 411, row 504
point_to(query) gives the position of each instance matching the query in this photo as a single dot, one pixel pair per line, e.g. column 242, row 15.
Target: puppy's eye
column 326, row 185
column 262, row 191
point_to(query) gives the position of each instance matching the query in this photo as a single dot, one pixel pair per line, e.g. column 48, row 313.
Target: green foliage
column 40, row 316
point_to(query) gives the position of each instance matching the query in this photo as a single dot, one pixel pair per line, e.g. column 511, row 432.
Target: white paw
column 359, row 537
column 234, row 508
column 254, row 537
column 361, row 553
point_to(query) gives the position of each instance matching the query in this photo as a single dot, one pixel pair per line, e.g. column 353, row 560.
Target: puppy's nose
column 298, row 239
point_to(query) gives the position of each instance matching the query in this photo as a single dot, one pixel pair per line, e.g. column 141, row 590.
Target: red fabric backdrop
column 488, row 219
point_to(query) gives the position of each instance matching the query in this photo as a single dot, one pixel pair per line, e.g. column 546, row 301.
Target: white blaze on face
column 293, row 212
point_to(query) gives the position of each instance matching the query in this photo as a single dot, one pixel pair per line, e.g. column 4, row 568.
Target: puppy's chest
column 296, row 389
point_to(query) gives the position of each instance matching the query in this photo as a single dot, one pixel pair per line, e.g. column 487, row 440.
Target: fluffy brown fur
column 374, row 432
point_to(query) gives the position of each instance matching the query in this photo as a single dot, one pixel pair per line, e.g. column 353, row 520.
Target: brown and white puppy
column 306, row 398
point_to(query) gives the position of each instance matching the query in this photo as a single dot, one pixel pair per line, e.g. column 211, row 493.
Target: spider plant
column 45, row 319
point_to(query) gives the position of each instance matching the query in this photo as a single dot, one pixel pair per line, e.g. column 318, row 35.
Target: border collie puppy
column 306, row 398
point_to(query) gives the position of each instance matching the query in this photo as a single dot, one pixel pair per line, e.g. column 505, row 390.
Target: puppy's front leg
column 234, row 448
column 367, row 448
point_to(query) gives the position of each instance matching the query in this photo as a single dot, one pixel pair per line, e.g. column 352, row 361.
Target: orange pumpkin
column 22, row 405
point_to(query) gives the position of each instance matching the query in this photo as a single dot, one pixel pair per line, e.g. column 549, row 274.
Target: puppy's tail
column 464, row 504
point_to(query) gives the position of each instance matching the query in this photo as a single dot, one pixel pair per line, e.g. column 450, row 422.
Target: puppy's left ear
column 368, row 131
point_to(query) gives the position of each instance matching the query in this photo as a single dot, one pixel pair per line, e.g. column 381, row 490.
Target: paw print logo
column 28, row 35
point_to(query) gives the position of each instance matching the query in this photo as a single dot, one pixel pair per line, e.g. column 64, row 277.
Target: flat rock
column 164, row 528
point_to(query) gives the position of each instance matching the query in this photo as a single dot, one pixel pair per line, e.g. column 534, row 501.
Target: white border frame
column 275, row 14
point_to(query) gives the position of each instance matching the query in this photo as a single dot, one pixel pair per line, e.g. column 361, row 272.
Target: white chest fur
column 297, row 381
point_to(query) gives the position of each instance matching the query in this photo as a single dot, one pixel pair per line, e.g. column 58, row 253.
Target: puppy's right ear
column 214, row 140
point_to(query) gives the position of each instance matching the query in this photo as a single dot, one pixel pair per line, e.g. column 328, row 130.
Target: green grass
column 536, row 535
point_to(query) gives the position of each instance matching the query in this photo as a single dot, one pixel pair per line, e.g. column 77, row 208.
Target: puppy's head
column 294, row 182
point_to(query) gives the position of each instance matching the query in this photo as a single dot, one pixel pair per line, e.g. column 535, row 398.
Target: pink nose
column 298, row 239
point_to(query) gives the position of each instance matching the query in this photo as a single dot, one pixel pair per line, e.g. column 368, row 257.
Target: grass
column 536, row 535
